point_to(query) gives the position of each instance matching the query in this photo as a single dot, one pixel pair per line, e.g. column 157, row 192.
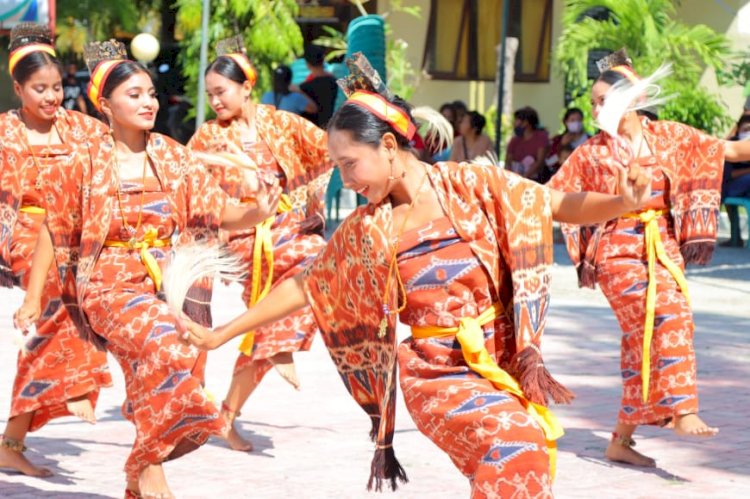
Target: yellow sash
column 32, row 210
column 263, row 246
column 148, row 260
column 654, row 250
column 471, row 338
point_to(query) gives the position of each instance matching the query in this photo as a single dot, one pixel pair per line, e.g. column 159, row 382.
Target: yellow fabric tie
column 148, row 260
column 654, row 250
column 32, row 210
column 471, row 338
column 263, row 246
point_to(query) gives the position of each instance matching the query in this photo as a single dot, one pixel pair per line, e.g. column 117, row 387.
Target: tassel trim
column 537, row 383
column 385, row 467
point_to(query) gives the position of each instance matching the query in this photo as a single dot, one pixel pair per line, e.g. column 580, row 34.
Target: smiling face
column 132, row 104
column 364, row 168
column 225, row 96
column 42, row 93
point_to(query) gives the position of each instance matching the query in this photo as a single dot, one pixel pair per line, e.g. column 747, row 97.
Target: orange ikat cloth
column 507, row 222
column 59, row 364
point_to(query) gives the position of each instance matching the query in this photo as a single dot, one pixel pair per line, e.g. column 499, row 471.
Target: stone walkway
column 313, row 443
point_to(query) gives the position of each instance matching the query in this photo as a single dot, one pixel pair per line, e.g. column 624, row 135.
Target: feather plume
column 192, row 262
column 436, row 130
column 626, row 96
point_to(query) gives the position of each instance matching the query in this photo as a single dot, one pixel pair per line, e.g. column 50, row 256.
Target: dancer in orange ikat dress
column 139, row 190
column 295, row 150
column 59, row 373
column 638, row 259
column 462, row 252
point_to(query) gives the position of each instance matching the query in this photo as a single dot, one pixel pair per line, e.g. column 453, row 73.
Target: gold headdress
column 234, row 48
column 365, row 88
column 619, row 62
column 101, row 58
column 26, row 38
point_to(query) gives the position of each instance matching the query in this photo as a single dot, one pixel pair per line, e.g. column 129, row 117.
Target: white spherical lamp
column 145, row 47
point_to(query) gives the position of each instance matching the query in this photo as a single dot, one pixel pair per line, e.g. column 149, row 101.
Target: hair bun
column 27, row 33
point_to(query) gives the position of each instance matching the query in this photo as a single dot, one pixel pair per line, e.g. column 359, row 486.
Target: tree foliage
column 268, row 27
column 652, row 37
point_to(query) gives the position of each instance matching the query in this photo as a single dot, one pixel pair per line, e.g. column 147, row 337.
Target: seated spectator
column 320, row 86
column 282, row 97
column 574, row 135
column 459, row 111
column 472, row 142
column 737, row 183
column 449, row 113
column 528, row 147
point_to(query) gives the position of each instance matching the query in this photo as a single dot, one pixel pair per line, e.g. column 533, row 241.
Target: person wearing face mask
column 736, row 183
column 573, row 136
column 528, row 147
column 295, row 149
column 111, row 223
column 58, row 373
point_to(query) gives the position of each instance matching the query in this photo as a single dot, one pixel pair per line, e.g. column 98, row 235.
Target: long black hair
column 282, row 77
column 365, row 127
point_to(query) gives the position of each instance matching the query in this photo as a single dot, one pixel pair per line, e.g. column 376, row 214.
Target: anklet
column 14, row 445
column 229, row 412
column 622, row 440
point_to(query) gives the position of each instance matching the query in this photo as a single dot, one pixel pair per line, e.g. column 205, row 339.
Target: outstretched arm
column 44, row 255
column 586, row 208
column 736, row 151
column 286, row 298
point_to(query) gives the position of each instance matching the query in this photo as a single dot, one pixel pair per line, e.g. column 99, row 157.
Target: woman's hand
column 27, row 314
column 634, row 185
column 195, row 334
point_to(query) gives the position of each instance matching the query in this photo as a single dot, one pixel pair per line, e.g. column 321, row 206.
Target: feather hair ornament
column 192, row 262
column 433, row 127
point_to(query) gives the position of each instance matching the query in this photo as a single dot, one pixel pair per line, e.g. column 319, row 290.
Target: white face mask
column 574, row 126
column 743, row 135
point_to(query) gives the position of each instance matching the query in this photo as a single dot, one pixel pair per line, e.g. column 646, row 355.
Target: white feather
column 21, row 340
column 626, row 96
column 191, row 262
column 487, row 159
column 434, row 127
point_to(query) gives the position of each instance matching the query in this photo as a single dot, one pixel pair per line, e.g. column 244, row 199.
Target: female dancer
column 58, row 372
column 462, row 252
column 140, row 190
column 281, row 246
column 633, row 255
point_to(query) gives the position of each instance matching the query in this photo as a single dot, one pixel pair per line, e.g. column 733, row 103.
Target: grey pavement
column 313, row 443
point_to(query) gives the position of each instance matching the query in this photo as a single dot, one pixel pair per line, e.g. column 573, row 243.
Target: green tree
column 268, row 27
column 652, row 37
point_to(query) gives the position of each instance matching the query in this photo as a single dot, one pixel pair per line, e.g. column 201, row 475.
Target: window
column 462, row 36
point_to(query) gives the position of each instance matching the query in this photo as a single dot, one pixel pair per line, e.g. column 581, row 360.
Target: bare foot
column 284, row 364
column 82, row 408
column 131, row 490
column 690, row 425
column 622, row 454
column 17, row 461
column 153, row 484
column 234, row 439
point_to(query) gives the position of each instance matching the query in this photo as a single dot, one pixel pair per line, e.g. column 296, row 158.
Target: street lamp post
column 200, row 112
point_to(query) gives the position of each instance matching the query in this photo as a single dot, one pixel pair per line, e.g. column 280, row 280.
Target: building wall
column 731, row 17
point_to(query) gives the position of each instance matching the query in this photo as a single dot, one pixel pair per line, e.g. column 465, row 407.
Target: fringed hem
column 698, row 252
column 7, row 279
column 536, row 382
column 586, row 275
column 385, row 466
column 375, row 420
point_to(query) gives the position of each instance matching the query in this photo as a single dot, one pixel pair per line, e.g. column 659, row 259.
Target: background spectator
column 574, row 135
column 528, row 147
column 73, row 91
column 449, row 112
column 472, row 142
column 737, row 183
column 459, row 111
column 320, row 86
column 282, row 97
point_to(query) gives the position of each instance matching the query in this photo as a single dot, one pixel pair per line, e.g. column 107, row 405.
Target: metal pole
column 501, row 86
column 200, row 114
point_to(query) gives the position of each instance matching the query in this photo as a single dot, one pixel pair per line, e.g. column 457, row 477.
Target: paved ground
column 313, row 443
